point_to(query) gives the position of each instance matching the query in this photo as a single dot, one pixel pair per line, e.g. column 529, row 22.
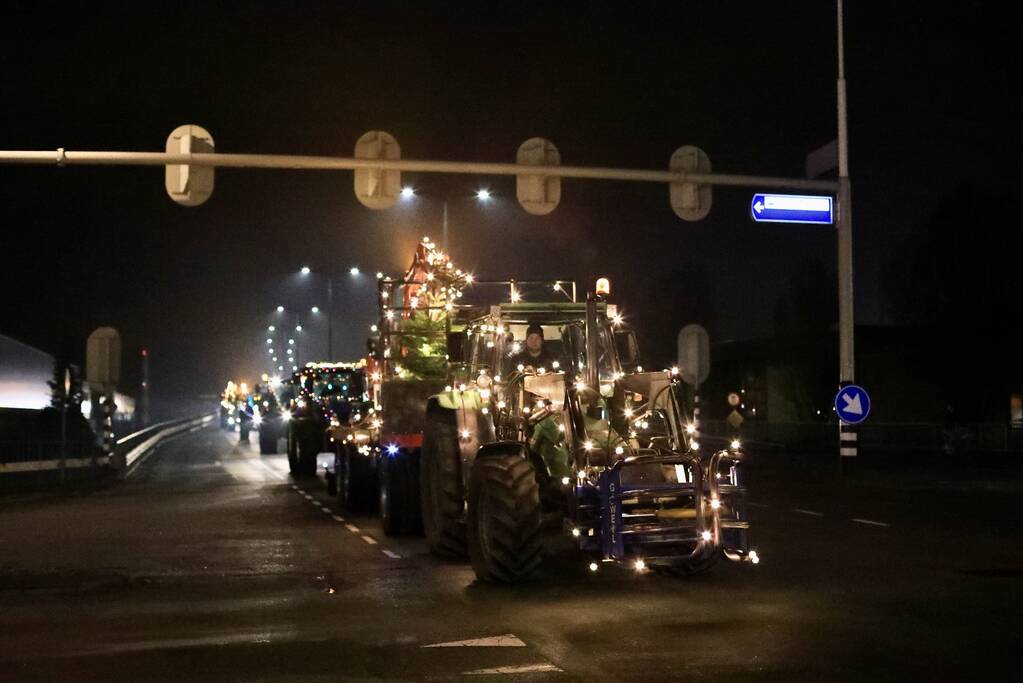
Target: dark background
column 933, row 164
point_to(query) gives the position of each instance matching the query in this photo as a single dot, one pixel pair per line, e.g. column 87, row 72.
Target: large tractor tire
column 267, row 440
column 505, row 544
column 355, row 480
column 292, row 452
column 440, row 486
column 399, row 494
column 308, row 449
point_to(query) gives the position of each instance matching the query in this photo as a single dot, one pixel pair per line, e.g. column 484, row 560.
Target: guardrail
column 129, row 451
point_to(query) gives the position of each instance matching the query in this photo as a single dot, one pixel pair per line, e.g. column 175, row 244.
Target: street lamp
column 354, row 270
column 280, row 309
column 305, row 270
column 408, row 193
column 315, row 309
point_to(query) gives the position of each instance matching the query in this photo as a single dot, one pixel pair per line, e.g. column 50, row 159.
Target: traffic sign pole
column 846, row 322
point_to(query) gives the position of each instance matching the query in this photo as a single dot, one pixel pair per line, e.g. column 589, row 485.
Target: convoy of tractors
column 490, row 415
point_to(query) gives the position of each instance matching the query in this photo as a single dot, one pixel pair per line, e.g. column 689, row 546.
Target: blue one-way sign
column 791, row 208
column 852, row 404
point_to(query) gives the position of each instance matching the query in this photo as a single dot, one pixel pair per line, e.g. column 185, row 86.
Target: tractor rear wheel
column 308, row 449
column 354, row 480
column 399, row 493
column 292, row 452
column 504, row 518
column 441, row 486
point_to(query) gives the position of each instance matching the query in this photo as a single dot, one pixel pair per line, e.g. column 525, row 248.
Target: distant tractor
column 323, row 395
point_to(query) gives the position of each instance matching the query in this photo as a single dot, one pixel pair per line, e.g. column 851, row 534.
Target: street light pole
column 846, row 323
column 330, row 318
column 445, row 230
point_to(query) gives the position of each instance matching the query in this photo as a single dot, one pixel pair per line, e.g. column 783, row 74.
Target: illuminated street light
column 305, row 270
column 315, row 309
column 483, row 195
column 354, row 270
column 298, row 328
column 271, row 328
column 280, row 309
column 407, row 193
column 291, row 341
column 269, row 341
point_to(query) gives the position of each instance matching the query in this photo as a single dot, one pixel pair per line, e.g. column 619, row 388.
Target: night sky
column 753, row 84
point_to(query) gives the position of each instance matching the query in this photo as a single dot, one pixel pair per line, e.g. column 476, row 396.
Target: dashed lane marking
column 370, row 540
column 812, row 513
column 540, row 667
column 351, row 527
column 868, row 521
column 391, row 554
column 307, row 496
column 338, row 518
column 506, row 640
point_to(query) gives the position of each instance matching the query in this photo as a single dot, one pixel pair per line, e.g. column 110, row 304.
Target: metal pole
column 330, row 319
column 445, row 236
column 145, row 387
column 846, row 323
column 63, row 157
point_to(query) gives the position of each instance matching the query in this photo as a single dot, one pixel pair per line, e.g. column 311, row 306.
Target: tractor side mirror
column 456, row 347
column 628, row 349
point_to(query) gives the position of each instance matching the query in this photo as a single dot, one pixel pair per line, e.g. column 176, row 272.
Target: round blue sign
column 852, row 404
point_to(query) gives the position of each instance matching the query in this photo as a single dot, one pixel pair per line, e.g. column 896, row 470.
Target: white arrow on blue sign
column 852, row 404
column 792, row 208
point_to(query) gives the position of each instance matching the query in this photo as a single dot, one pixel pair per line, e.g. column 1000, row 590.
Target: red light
column 145, row 352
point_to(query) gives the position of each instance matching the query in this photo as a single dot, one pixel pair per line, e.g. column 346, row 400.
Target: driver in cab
column 534, row 355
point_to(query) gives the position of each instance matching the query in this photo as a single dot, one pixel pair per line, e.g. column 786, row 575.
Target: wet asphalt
column 212, row 564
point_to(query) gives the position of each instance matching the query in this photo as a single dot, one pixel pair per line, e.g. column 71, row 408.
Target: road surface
column 212, row 564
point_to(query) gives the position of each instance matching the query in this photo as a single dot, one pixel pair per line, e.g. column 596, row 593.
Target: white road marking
column 351, row 527
column 523, row 669
column 868, row 521
column 812, row 513
column 507, row 640
column 294, row 486
column 370, row 540
column 307, row 496
column 338, row 518
column 391, row 554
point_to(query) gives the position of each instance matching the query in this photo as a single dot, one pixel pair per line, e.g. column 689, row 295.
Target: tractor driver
column 534, row 355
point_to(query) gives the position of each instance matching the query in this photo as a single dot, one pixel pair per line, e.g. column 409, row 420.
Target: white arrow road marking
column 391, row 554
column 524, row 669
column 507, row 640
column 852, row 405
column 868, row 521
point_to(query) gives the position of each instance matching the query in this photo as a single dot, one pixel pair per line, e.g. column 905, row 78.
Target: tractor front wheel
column 504, row 518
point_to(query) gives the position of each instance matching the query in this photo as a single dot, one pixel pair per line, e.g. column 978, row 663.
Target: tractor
column 590, row 444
